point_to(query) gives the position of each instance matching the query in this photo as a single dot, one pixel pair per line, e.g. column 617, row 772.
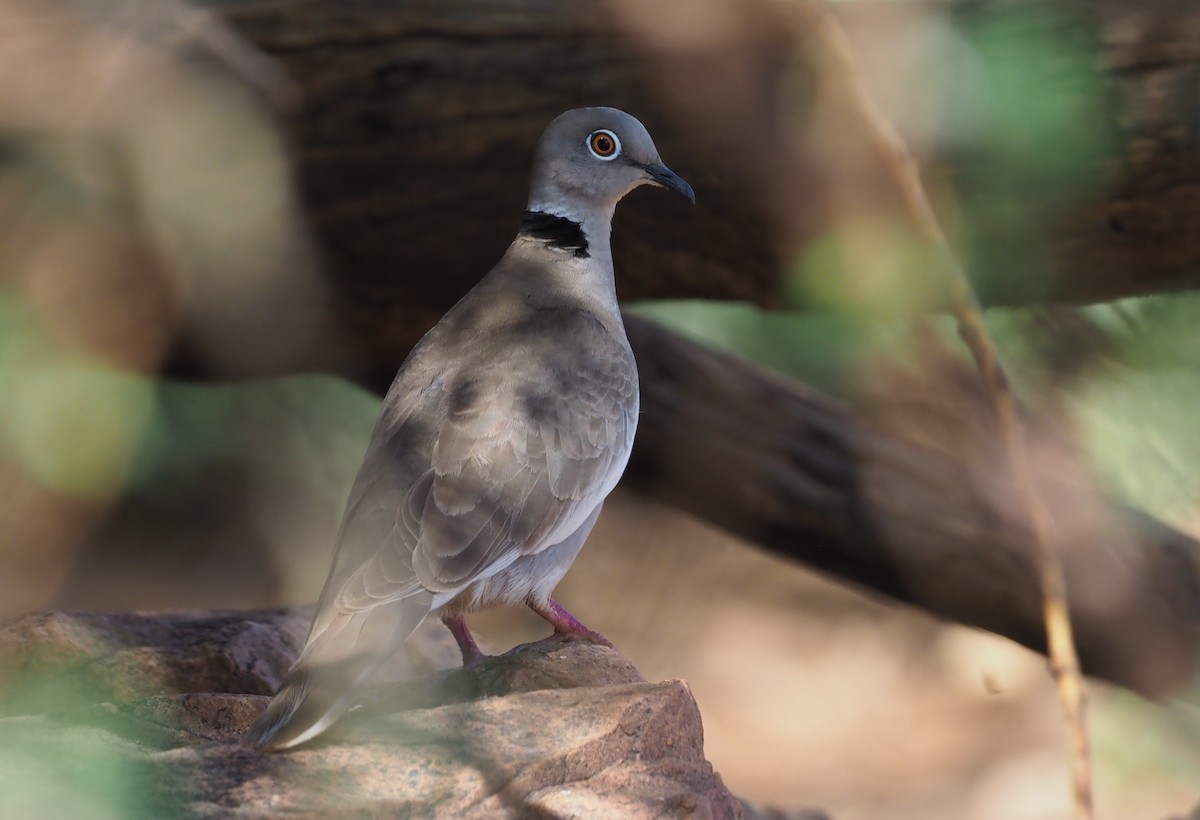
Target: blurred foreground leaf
column 80, row 774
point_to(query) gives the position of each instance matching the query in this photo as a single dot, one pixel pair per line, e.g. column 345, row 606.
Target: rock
column 73, row 657
column 139, row 715
column 93, row 657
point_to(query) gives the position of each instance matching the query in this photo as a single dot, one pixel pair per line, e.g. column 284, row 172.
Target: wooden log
column 913, row 510
column 412, row 143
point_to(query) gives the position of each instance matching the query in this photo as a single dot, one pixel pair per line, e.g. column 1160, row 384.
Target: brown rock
column 140, row 715
column 70, row 657
column 48, row 659
column 633, row 750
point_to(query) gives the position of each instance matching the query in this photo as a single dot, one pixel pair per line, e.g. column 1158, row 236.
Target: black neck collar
column 557, row 232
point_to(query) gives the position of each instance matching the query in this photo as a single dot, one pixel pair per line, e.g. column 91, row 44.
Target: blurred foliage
column 868, row 267
column 1016, row 100
column 1029, row 127
column 85, row 428
column 70, row 421
column 73, row 747
column 818, row 349
column 312, row 428
column 54, row 759
column 1144, row 744
column 70, row 774
column 180, row 479
column 1129, row 371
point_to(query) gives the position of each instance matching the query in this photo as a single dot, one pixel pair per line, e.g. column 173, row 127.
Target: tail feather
column 311, row 699
column 339, row 658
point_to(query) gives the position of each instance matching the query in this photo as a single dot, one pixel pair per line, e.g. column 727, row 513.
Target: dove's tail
column 309, row 702
column 324, row 681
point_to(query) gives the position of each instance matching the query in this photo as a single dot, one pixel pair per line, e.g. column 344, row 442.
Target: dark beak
column 664, row 177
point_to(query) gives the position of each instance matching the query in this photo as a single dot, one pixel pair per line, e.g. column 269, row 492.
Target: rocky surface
column 138, row 715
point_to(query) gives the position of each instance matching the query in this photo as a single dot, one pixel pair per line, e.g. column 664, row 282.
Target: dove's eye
column 604, row 144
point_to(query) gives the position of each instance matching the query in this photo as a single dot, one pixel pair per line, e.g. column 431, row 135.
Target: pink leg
column 471, row 652
column 564, row 622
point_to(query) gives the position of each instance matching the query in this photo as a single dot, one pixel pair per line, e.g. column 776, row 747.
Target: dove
column 500, row 437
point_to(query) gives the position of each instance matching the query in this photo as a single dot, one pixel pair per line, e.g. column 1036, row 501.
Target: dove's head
column 588, row 158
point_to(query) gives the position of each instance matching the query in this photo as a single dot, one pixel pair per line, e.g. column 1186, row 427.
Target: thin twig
column 1064, row 662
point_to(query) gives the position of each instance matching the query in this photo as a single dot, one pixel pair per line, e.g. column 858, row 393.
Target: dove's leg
column 471, row 652
column 564, row 622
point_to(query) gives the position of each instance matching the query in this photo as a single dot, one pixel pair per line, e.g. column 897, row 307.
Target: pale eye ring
column 604, row 144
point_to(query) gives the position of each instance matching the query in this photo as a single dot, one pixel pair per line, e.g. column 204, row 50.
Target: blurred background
column 221, row 224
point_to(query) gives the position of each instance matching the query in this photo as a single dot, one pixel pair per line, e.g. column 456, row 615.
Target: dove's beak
column 664, row 177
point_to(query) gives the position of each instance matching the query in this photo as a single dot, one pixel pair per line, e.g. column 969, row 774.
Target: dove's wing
column 528, row 444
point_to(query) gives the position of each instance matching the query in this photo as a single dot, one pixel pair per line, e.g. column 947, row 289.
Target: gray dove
column 502, row 434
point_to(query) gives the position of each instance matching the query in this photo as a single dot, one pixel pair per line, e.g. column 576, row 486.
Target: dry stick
column 1064, row 662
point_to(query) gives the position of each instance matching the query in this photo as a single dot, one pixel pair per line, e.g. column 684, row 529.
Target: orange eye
column 604, row 144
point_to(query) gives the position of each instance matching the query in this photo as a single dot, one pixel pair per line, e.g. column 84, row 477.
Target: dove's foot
column 471, row 653
column 565, row 623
